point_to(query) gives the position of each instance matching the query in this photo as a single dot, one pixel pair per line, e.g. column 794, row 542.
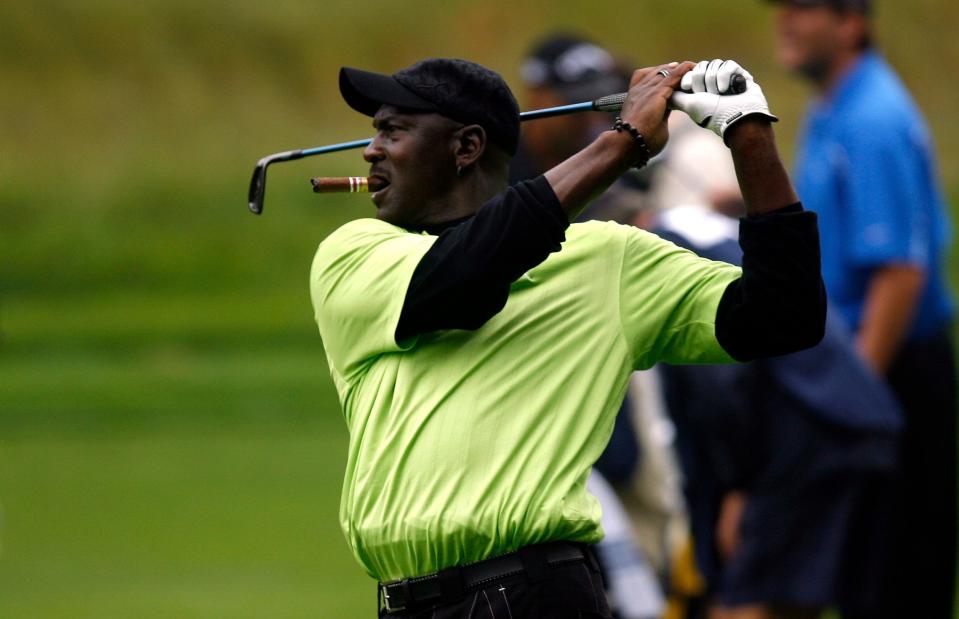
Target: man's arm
column 891, row 301
column 762, row 177
column 778, row 306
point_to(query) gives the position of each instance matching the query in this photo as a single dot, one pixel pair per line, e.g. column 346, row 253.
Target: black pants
column 568, row 591
column 921, row 573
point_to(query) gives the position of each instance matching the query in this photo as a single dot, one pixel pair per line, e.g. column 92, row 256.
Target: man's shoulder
column 612, row 236
column 368, row 242
column 360, row 233
column 599, row 232
column 880, row 100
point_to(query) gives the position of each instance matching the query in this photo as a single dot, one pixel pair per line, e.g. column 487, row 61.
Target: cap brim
column 365, row 92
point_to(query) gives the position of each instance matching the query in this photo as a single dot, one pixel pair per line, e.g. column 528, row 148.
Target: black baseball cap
column 458, row 89
column 859, row 6
column 575, row 67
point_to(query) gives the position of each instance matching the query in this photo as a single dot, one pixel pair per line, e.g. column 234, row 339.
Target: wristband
column 621, row 125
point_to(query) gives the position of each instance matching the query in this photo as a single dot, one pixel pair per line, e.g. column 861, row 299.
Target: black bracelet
column 621, row 125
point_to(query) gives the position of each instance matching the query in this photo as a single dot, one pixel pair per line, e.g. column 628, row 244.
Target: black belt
column 450, row 585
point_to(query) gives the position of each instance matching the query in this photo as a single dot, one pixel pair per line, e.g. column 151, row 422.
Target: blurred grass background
column 170, row 442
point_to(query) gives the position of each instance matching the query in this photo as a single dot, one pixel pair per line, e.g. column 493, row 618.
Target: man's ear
column 469, row 144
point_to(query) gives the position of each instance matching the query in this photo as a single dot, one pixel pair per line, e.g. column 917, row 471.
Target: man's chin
column 381, row 198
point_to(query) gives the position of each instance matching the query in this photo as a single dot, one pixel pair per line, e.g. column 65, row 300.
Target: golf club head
column 258, row 186
column 258, row 182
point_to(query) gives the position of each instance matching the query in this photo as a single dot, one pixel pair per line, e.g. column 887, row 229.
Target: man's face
column 413, row 152
column 809, row 38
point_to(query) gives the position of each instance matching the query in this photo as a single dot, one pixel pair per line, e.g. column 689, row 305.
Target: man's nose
column 373, row 153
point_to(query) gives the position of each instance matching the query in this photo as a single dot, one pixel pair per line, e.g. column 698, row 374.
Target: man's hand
column 706, row 97
column 729, row 523
column 646, row 108
column 647, row 103
column 743, row 121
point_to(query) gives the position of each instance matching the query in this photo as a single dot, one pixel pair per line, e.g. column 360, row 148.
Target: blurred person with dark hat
column 562, row 68
column 867, row 166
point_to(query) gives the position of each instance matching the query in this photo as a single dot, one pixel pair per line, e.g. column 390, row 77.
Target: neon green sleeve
column 358, row 283
column 668, row 301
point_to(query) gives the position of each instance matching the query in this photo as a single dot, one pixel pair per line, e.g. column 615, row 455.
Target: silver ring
column 663, row 72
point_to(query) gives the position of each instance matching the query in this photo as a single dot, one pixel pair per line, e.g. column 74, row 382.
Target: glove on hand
column 707, row 99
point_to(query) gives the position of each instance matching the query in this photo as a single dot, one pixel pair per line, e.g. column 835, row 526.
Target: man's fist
column 707, row 97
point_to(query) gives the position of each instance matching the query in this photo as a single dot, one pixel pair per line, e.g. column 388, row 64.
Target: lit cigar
column 347, row 184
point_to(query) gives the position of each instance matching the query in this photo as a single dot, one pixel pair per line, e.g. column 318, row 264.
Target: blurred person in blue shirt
column 866, row 165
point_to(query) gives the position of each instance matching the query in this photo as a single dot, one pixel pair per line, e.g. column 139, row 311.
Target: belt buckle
column 396, row 603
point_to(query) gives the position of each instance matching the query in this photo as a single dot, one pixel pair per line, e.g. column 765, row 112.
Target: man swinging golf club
column 481, row 344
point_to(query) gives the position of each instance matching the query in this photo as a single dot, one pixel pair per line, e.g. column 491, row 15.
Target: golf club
column 609, row 103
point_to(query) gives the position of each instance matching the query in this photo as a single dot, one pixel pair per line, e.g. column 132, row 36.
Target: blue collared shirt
column 866, row 166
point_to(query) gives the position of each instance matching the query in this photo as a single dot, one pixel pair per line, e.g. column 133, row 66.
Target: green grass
column 169, row 457
column 220, row 522
column 190, row 479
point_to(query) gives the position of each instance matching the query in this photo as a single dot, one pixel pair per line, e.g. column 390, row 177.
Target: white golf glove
column 707, row 98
